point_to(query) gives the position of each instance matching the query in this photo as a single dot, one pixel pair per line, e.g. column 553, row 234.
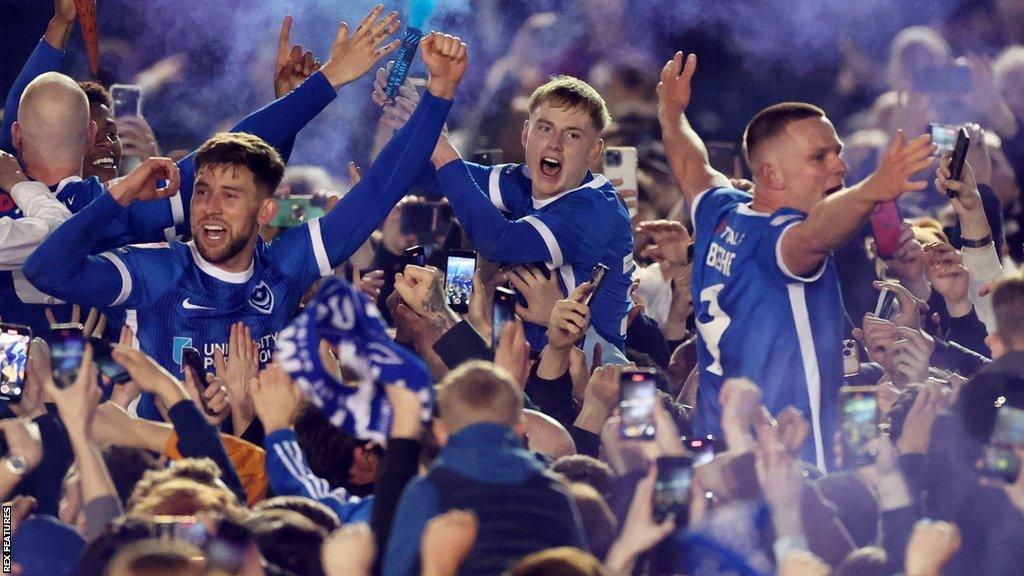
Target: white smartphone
column 620, row 163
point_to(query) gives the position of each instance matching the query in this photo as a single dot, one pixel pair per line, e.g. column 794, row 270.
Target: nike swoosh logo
column 190, row 306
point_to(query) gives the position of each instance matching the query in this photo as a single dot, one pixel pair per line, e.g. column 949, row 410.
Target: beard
column 235, row 245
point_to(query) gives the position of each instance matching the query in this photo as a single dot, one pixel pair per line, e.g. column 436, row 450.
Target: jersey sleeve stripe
column 323, row 263
column 177, row 208
column 549, row 239
column 494, row 189
column 782, row 264
column 126, row 278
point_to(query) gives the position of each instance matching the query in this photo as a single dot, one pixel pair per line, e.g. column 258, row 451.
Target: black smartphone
column 101, row 354
column 415, row 255
column 15, row 341
column 672, row 486
column 596, row 279
column 503, row 310
column 458, row 278
column 190, row 360
column 638, row 391
column 1009, row 429
column 956, row 164
column 702, row 447
column 999, row 462
column 67, row 347
column 858, row 424
column 886, row 304
column 424, row 218
column 487, row 157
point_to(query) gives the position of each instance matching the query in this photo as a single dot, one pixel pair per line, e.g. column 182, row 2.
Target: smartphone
column 127, row 100
column 503, row 311
column 672, row 486
column 425, row 219
column 67, row 347
column 295, row 210
column 1009, row 429
column 596, row 279
column 14, row 348
column 702, row 447
column 638, row 391
column 851, row 358
column 956, row 164
column 101, row 354
column 885, row 226
column 999, row 462
column 190, row 359
column 858, row 408
column 943, row 136
column 620, row 163
column 885, row 303
column 487, row 157
column 186, row 528
column 415, row 255
column 458, row 279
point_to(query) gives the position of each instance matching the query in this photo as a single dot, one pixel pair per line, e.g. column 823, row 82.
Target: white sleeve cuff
column 323, row 263
column 494, row 188
column 549, row 240
column 126, row 278
column 782, row 263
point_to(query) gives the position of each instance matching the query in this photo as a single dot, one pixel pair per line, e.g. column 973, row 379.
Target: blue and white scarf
column 345, row 317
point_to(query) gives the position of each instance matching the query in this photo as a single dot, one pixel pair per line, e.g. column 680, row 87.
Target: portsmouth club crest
column 262, row 298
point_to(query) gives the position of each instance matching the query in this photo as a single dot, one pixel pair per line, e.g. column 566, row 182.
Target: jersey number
column 711, row 332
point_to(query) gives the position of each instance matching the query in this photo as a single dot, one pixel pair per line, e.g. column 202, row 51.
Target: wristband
column 976, row 243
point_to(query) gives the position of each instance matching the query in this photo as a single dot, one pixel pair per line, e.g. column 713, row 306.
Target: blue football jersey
column 757, row 319
column 580, row 228
column 23, row 303
column 176, row 299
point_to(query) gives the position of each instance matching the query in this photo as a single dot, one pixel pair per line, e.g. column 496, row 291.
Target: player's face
column 104, row 155
column 560, row 144
column 227, row 211
column 807, row 158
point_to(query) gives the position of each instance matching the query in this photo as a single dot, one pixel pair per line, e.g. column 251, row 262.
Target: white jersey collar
column 65, row 182
column 596, row 181
column 211, row 269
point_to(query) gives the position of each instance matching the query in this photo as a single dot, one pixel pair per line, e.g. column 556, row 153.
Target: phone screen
column 639, row 392
column 702, row 448
column 295, row 211
column 504, row 310
column 672, row 486
column 67, row 346
column 943, row 136
column 1009, row 428
column 105, row 362
column 458, row 279
column 14, row 345
column 127, row 100
column 859, row 413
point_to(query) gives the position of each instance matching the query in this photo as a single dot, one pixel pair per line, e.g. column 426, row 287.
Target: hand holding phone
column 596, row 279
column 67, row 347
column 638, row 391
column 15, row 341
column 672, row 486
column 956, row 164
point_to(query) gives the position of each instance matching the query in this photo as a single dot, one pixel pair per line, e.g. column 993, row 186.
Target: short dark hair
column 573, row 93
column 317, row 512
column 562, row 561
column 585, row 469
column 288, row 540
column 97, row 94
column 1008, row 305
column 241, row 149
column 771, row 121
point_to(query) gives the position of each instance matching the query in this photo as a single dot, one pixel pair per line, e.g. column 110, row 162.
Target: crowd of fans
column 721, row 362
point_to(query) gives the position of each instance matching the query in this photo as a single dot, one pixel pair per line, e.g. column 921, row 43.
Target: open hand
column 352, row 56
column 900, row 162
column 674, row 87
column 276, row 398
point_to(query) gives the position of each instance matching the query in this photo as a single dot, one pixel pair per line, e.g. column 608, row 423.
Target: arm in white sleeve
column 43, row 213
column 984, row 266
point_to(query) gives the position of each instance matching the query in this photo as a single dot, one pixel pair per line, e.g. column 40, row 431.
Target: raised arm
column 686, row 153
column 63, row 266
column 43, row 213
column 46, row 57
column 839, row 216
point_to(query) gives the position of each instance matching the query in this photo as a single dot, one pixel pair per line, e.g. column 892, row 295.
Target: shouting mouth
column 214, row 232
column 550, row 167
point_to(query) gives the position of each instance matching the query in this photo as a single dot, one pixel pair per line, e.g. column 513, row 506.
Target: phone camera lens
column 613, row 158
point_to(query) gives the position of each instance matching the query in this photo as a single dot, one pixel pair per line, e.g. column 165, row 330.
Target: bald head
column 53, row 122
